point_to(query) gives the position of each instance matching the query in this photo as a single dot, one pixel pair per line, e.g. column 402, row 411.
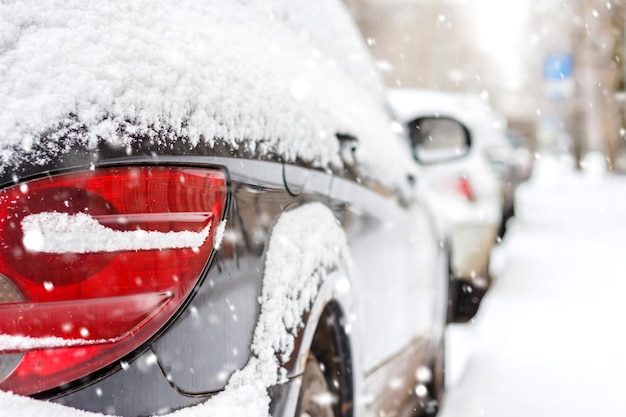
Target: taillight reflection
column 94, row 263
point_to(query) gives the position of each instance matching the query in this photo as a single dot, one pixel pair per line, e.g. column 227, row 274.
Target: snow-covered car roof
column 274, row 77
column 485, row 124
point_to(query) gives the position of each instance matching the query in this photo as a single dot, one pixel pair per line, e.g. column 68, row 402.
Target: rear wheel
column 316, row 398
column 437, row 386
column 431, row 403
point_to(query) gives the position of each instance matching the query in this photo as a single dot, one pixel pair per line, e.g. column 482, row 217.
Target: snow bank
column 275, row 77
column 305, row 243
column 548, row 337
column 589, row 192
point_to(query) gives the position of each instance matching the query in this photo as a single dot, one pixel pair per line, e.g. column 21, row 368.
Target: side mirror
column 438, row 139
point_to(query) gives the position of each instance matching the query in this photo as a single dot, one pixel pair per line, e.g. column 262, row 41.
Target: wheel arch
column 331, row 346
column 327, row 336
column 308, row 274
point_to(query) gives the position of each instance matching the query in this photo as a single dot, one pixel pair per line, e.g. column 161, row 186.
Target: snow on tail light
column 93, row 264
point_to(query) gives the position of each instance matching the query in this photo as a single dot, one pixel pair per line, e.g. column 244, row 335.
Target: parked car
column 509, row 157
column 466, row 195
column 524, row 158
column 204, row 209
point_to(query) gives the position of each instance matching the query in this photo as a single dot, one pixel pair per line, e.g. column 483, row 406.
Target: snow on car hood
column 273, row 77
column 484, row 122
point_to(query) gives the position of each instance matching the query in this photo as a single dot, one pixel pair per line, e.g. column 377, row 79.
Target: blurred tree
column 465, row 45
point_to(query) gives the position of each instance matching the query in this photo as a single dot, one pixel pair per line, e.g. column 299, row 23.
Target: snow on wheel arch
column 306, row 244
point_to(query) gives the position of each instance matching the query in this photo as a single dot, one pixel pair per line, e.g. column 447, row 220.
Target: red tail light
column 93, row 264
column 464, row 187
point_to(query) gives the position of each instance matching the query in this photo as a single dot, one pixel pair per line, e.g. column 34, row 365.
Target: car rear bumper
column 471, row 246
column 471, row 228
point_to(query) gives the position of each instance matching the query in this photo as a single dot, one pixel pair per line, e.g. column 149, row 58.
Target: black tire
column 437, row 386
column 316, row 398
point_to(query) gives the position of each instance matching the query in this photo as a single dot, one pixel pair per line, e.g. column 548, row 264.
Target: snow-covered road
column 550, row 338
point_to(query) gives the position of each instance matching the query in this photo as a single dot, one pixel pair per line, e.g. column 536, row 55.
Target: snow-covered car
column 508, row 155
column 206, row 209
column 507, row 152
column 524, row 159
column 465, row 193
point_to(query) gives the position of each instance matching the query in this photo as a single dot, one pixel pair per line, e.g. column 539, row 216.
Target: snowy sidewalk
column 550, row 338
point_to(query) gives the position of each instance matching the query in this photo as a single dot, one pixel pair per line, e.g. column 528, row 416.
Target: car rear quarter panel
column 389, row 303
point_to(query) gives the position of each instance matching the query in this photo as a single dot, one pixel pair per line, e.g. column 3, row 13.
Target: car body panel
column 183, row 374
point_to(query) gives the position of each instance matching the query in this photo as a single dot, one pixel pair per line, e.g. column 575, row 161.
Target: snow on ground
column 548, row 339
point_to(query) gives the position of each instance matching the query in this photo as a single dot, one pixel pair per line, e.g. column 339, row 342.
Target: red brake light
column 464, row 187
column 92, row 264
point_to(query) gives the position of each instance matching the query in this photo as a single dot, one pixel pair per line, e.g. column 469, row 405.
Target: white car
column 466, row 193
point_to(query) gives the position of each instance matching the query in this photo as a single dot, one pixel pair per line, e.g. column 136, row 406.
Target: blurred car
column 509, row 158
column 466, row 195
column 524, row 159
column 204, row 210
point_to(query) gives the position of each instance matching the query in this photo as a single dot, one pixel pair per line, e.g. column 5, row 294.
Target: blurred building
column 441, row 44
column 589, row 120
column 553, row 68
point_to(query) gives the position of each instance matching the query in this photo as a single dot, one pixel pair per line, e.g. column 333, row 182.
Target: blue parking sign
column 558, row 66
